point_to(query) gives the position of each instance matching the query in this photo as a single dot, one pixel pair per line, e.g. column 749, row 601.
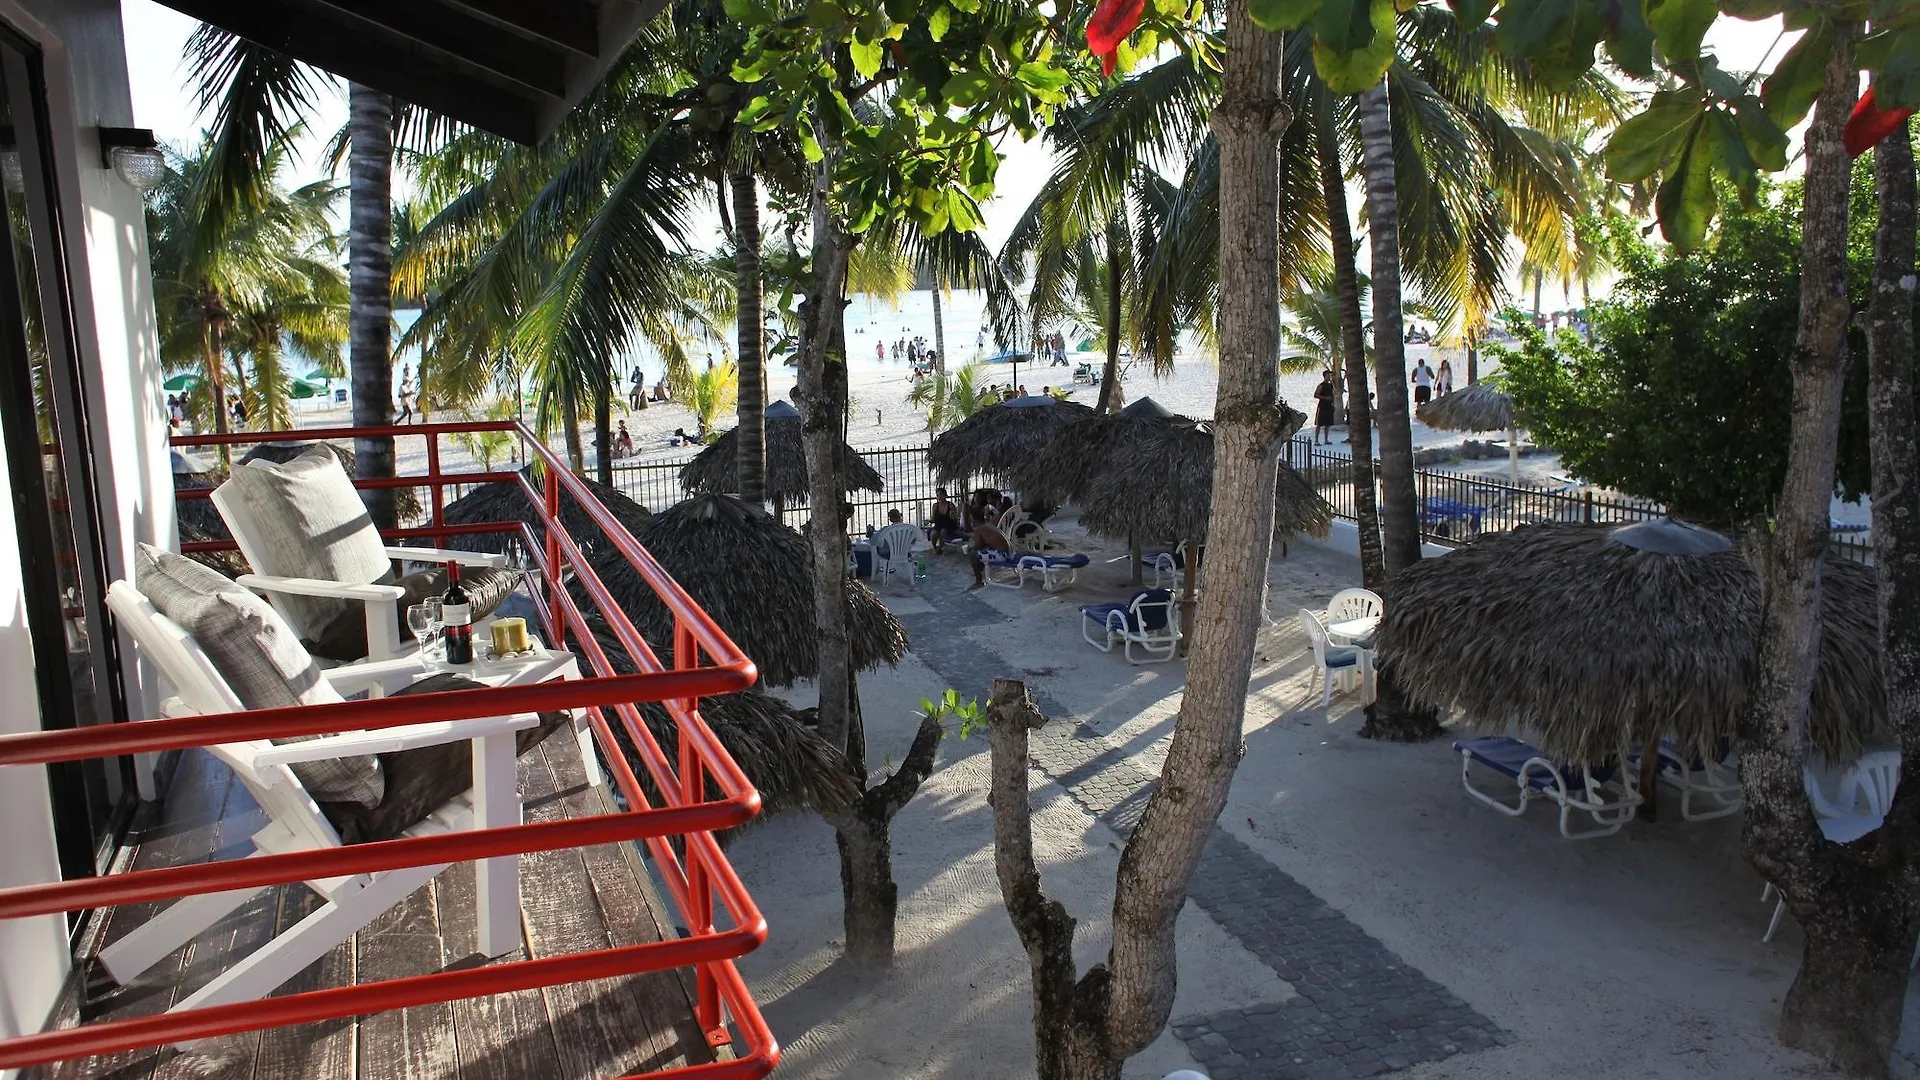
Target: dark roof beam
column 535, row 65
column 415, row 75
column 616, row 23
column 571, row 24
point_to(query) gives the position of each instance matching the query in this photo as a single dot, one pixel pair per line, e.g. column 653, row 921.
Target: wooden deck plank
column 184, row 833
column 323, row 1051
column 573, row 901
column 634, row 914
column 501, row 1035
column 404, row 1044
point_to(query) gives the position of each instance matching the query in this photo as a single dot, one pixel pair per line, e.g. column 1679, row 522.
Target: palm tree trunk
column 1399, row 509
column 216, row 384
column 1353, row 349
column 1110, row 377
column 603, row 431
column 370, row 252
column 1473, row 358
column 751, row 467
column 939, row 331
column 570, row 416
column 1845, row 1003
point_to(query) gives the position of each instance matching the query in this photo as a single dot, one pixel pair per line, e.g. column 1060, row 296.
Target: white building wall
column 111, row 289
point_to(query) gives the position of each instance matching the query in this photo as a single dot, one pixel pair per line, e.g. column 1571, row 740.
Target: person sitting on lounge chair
column 946, row 521
column 985, row 538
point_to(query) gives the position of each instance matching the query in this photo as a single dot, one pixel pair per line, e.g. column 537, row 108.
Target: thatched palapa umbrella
column 1000, row 437
column 755, row 577
column 716, row 468
column 1588, row 638
column 1162, row 486
column 1079, row 453
column 1477, row 408
column 774, row 744
column 506, row 501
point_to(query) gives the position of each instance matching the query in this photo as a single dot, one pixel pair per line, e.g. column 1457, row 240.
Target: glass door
column 43, row 423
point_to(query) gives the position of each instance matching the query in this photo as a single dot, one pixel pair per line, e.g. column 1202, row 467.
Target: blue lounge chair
column 1604, row 791
column 1446, row 511
column 1009, row 570
column 1712, row 780
column 1145, row 619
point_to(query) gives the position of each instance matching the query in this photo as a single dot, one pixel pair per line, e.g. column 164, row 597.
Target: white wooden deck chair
column 296, row 823
column 900, row 540
column 311, row 557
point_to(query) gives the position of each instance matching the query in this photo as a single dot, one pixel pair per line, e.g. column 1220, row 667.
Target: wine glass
column 421, row 620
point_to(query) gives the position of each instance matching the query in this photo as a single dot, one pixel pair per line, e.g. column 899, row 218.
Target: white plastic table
column 1350, row 631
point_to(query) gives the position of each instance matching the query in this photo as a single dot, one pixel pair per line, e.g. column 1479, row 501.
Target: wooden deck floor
column 572, row 901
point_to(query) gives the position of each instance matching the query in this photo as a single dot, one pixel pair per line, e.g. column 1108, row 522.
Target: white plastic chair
column 900, row 541
column 383, row 619
column 295, row 822
column 1354, row 604
column 1025, row 535
column 1860, row 804
column 1349, row 665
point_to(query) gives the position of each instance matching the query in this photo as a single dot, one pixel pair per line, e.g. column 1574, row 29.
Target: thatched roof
column 1582, row 644
column 997, row 438
column 782, row 755
column 1080, row 453
column 755, row 577
column 715, row 469
column 1476, row 408
column 1161, row 488
column 505, row 501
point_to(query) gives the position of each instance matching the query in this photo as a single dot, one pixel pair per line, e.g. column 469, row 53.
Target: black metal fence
column 907, row 483
column 1454, row 506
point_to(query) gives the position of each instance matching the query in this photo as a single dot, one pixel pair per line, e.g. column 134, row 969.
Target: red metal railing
column 685, row 809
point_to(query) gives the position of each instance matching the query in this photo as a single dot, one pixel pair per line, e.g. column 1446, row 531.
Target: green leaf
column 746, row 12
column 1527, row 25
column 1734, row 159
column 1346, row 26
column 1765, row 141
column 1896, row 80
column 1685, row 204
column 1043, row 78
column 966, row 88
column 938, row 21
column 1799, row 77
column 809, row 146
column 962, row 214
column 867, row 56
column 1353, row 72
column 1629, row 38
column 1281, row 14
column 1471, row 12
column 1678, row 25
column 1753, row 9
column 1645, row 144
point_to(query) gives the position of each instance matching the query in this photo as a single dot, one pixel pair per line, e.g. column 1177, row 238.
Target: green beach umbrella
column 303, row 390
column 182, row 382
column 317, row 375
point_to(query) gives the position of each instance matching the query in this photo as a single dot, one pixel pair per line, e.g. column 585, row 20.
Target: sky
column 157, row 35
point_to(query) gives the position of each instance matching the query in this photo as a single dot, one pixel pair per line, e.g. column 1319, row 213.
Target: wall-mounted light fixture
column 134, row 156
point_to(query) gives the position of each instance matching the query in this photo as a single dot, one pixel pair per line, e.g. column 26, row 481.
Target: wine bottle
column 456, row 617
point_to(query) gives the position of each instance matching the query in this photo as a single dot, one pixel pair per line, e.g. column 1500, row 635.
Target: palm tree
column 231, row 290
column 950, row 397
column 711, row 394
column 258, row 96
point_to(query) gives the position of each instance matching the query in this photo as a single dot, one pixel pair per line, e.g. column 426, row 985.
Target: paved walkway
column 1360, row 1009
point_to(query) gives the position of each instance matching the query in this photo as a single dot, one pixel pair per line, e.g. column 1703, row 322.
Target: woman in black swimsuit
column 946, row 521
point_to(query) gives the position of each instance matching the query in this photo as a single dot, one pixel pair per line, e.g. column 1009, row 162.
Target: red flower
column 1112, row 21
column 1866, row 127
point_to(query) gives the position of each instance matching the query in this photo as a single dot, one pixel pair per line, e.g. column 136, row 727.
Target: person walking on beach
column 1443, row 383
column 637, row 389
column 1422, row 380
column 1324, row 396
column 406, row 396
column 880, row 350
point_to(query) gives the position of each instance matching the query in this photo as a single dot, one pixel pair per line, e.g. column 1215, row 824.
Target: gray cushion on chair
column 345, row 638
column 255, row 651
column 309, row 522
